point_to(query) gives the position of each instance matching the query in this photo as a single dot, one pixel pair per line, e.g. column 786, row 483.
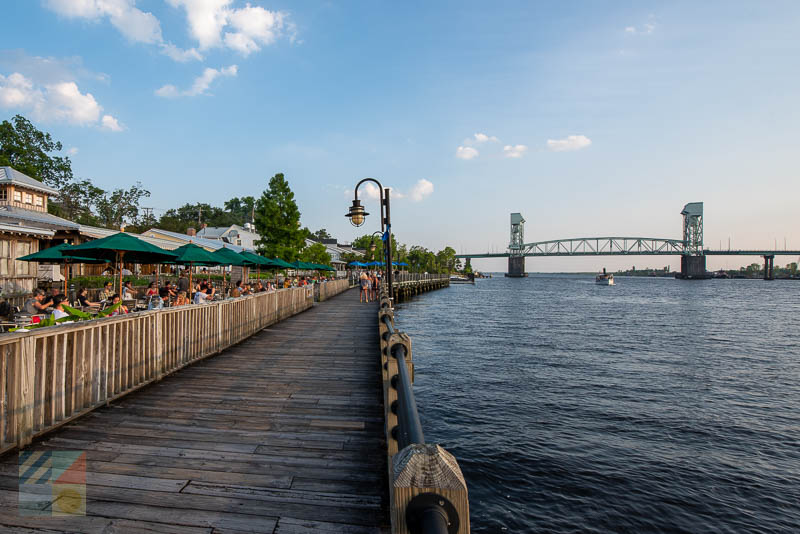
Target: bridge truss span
column 605, row 246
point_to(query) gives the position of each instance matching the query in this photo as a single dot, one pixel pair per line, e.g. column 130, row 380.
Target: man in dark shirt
column 183, row 283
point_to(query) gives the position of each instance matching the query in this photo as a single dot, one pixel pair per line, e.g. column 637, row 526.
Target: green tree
column 120, row 206
column 278, row 221
column 316, row 253
column 239, row 210
column 446, row 259
column 28, row 150
column 422, row 260
column 753, row 269
column 321, row 234
column 75, row 202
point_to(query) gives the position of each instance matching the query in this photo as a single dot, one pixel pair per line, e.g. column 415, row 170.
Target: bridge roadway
column 279, row 434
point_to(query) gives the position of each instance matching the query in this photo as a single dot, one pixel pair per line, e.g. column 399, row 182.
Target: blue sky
column 590, row 118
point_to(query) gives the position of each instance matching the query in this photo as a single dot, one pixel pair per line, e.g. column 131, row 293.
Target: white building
column 242, row 236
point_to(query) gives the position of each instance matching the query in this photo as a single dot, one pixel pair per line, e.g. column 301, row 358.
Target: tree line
column 275, row 213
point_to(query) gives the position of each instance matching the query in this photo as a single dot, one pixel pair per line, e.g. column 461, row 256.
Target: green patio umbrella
column 229, row 257
column 191, row 255
column 256, row 259
column 260, row 261
column 53, row 255
column 282, row 264
column 118, row 248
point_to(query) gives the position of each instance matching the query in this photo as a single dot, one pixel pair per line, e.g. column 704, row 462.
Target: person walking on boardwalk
column 364, row 281
column 373, row 282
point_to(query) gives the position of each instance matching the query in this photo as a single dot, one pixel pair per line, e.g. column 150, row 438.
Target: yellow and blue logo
column 52, row 483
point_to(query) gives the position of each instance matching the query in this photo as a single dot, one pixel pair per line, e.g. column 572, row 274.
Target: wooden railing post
column 425, row 473
column 25, row 390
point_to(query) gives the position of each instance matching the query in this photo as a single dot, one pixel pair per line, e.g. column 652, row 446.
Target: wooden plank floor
column 280, row 434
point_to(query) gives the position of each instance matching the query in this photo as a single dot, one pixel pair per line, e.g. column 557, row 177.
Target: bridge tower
column 693, row 260
column 516, row 260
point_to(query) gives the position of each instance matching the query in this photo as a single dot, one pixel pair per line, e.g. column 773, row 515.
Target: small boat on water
column 604, row 279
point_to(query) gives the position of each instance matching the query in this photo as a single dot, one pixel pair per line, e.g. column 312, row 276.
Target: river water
column 655, row 405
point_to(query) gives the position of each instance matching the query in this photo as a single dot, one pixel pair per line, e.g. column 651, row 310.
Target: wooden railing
column 52, row 375
column 326, row 290
column 419, row 277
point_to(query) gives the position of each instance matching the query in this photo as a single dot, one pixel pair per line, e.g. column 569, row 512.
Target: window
column 28, row 198
column 38, row 201
column 3, row 193
column 23, row 268
column 17, row 196
column 5, row 257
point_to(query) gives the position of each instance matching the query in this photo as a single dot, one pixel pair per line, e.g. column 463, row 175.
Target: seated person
column 106, row 293
column 122, row 310
column 37, row 303
column 237, row 290
column 83, row 300
column 58, row 310
column 159, row 300
column 201, row 296
column 127, row 291
column 182, row 299
column 152, row 290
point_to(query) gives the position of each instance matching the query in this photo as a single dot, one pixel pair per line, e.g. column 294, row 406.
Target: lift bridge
column 690, row 248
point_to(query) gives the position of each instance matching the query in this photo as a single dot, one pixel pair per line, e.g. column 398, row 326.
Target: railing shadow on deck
column 53, row 375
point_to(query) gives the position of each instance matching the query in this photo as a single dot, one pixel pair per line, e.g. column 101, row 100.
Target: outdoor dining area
column 118, row 297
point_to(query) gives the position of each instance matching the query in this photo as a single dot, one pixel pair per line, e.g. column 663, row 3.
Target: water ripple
column 653, row 406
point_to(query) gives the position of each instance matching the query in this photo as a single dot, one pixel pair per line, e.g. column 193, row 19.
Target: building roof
column 217, row 232
column 212, row 244
column 36, row 217
column 213, row 232
column 11, row 176
column 25, row 230
column 96, row 232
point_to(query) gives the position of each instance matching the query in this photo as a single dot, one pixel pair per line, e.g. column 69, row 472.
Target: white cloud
column 17, row 91
column 130, row 21
column 254, row 26
column 60, row 101
column 72, row 151
column 482, row 138
column 571, row 142
column 43, row 70
column 200, row 85
column 466, row 152
column 371, row 190
column 66, row 102
column 215, row 23
column 423, row 188
column 179, row 54
column 645, row 29
column 514, row 151
column 110, row 123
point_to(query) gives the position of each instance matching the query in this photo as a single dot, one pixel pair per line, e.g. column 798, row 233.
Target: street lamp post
column 357, row 215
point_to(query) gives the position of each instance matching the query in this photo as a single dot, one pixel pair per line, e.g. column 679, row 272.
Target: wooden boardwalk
column 282, row 433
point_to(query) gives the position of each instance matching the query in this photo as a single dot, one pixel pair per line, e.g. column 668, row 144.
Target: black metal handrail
column 409, row 427
column 428, row 513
